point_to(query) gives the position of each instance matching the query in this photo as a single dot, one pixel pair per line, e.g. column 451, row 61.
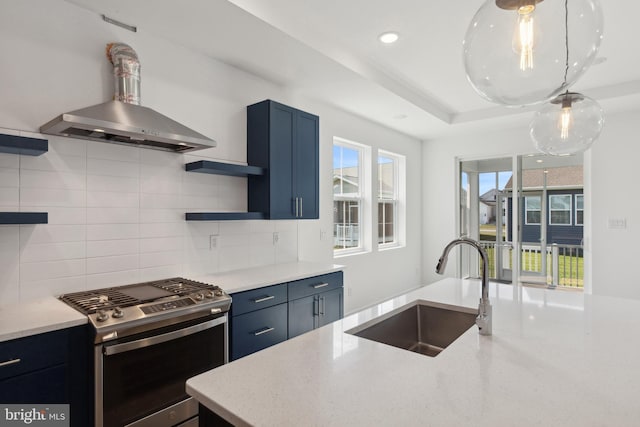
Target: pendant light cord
column 566, row 40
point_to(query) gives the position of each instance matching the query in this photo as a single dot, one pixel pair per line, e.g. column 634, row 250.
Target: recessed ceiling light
column 389, row 37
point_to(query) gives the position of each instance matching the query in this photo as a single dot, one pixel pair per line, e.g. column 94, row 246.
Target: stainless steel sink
column 422, row 327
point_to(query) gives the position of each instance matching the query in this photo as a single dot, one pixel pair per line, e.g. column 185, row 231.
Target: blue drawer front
column 245, row 302
column 32, row 353
column 314, row 285
column 259, row 329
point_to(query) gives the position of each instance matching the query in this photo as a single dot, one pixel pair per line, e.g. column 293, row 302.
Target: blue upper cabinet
column 285, row 142
column 14, row 144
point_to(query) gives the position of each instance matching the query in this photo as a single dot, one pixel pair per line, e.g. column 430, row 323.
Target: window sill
column 350, row 253
column 383, row 248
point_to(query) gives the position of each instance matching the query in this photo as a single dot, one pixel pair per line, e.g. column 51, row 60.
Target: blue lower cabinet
column 50, row 368
column 257, row 330
column 266, row 316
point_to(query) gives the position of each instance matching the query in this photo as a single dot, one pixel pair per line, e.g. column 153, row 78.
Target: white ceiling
column 328, row 50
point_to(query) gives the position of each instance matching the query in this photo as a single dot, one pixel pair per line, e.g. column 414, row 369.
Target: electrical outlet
column 349, row 292
column 213, row 241
column 276, row 237
column 617, row 223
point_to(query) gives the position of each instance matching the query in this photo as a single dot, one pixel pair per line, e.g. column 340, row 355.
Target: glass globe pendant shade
column 525, row 52
column 568, row 124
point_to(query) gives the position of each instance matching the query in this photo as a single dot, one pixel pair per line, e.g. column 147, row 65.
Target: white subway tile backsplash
column 110, row 264
column 9, row 177
column 112, row 199
column 59, row 215
column 160, row 201
column 125, row 184
column 9, row 198
column 53, row 286
column 38, row 271
column 114, row 278
column 53, row 161
column 52, row 197
column 162, row 229
column 161, row 215
column 113, row 231
column 9, row 161
column 101, row 248
column 30, row 178
column 109, row 167
column 122, row 153
column 52, row 233
column 163, row 272
column 38, row 252
column 233, row 258
column 159, row 259
column 61, row 145
column 117, row 216
column 160, row 244
column 107, row 215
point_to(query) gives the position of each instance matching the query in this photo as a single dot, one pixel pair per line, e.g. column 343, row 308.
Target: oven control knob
column 219, row 292
column 199, row 296
column 117, row 313
column 102, row 316
column 210, row 294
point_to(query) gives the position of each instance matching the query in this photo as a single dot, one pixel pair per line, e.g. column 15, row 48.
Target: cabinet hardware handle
column 297, row 207
column 263, row 331
column 321, row 306
column 10, row 362
column 263, row 299
column 320, row 285
column 301, row 214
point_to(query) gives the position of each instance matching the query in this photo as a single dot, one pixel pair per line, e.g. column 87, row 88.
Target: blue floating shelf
column 14, row 144
column 222, row 216
column 24, row 217
column 217, row 168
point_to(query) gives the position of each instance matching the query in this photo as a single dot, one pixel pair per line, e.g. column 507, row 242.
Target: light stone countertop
column 37, row 317
column 257, row 277
column 556, row 358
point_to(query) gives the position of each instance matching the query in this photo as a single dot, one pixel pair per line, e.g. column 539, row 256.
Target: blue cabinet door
column 302, row 315
column 330, row 306
column 285, row 142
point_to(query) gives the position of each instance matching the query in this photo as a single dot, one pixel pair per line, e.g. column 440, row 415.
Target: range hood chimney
column 124, row 120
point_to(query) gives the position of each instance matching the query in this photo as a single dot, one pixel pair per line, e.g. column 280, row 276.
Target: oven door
column 140, row 380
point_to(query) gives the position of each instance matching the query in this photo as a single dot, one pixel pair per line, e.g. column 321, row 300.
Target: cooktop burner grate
column 89, row 302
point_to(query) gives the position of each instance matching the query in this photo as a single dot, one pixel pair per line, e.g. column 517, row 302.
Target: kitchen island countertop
column 556, row 358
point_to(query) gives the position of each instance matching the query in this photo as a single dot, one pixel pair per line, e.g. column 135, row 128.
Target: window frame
column 526, row 210
column 359, row 198
column 394, row 200
column 570, row 209
column 580, row 224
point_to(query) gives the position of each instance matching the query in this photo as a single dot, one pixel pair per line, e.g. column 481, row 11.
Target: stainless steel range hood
column 124, row 120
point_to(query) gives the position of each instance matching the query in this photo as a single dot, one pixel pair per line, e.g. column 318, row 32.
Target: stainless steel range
column 149, row 339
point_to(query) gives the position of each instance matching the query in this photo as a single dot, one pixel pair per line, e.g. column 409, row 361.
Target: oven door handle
column 158, row 339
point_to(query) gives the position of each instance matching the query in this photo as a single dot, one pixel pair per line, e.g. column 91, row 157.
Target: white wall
column 116, row 214
column 611, row 191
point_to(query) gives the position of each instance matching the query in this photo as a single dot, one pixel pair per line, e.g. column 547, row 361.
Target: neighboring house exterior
column 487, row 207
column 564, row 205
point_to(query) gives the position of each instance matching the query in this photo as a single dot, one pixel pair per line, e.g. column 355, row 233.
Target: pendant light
column 568, row 124
column 514, row 52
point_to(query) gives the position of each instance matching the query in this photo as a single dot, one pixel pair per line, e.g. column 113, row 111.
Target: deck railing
column 564, row 263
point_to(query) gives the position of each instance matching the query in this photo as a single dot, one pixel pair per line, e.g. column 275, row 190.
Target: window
column 532, row 210
column 579, row 209
column 560, row 209
column 347, row 196
column 387, row 199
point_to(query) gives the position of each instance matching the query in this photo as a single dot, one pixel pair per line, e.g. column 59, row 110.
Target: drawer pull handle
column 263, row 299
column 320, row 285
column 263, row 331
column 10, row 362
